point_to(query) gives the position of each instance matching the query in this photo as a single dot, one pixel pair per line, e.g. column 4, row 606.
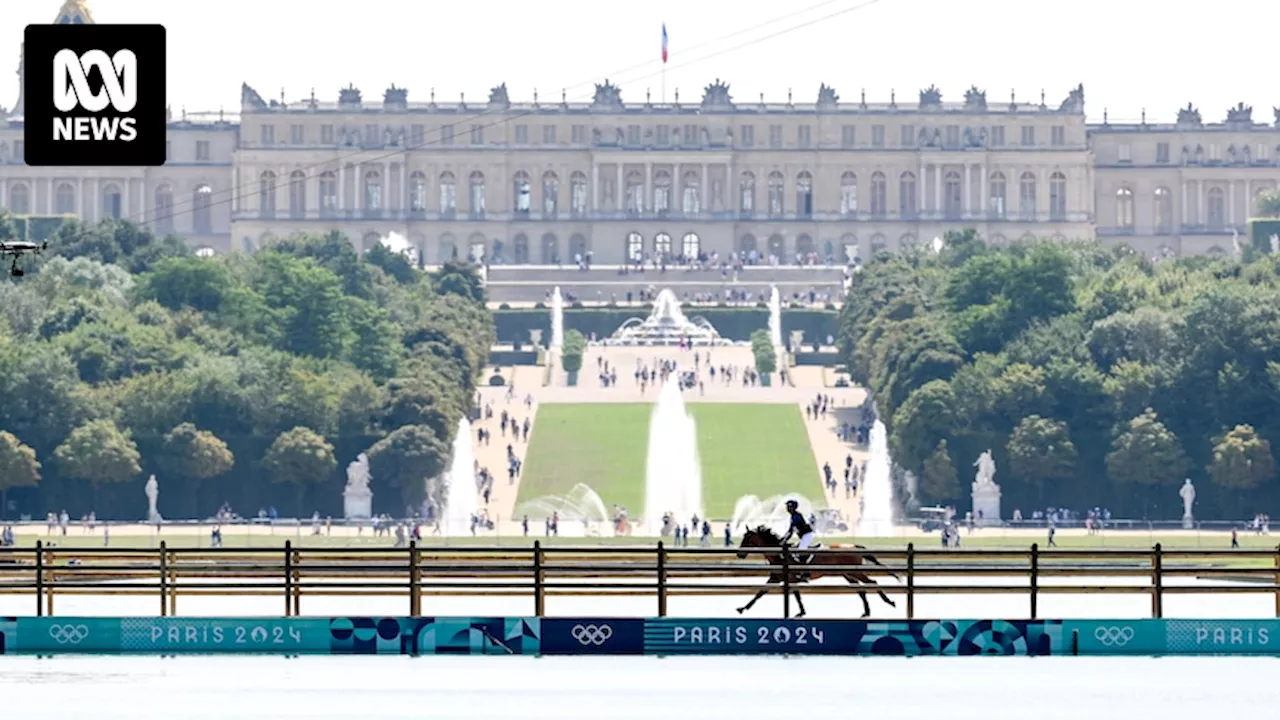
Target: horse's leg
column 764, row 591
column 853, row 579
column 868, row 581
column 799, row 603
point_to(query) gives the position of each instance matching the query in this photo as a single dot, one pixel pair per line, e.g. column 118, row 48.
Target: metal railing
column 660, row 572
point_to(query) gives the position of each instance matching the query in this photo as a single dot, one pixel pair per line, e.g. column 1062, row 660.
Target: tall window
column 373, row 191
column 520, row 249
column 849, row 194
column 690, row 246
column 418, row 192
column 202, row 210
column 1124, row 208
column 476, row 184
column 747, row 194
column 297, row 194
column 1057, row 196
column 1216, row 208
column 1163, row 210
column 522, row 189
column 907, row 206
column 112, row 205
column 550, row 193
column 661, row 192
column 879, row 195
column 953, row 205
column 328, row 193
column 550, row 249
column 776, row 190
column 448, row 194
column 164, row 209
column 635, row 247
column 267, row 194
column 662, row 245
column 1027, row 196
column 997, row 191
column 64, row 199
column 691, row 200
column 634, row 193
column 804, row 194
column 577, row 194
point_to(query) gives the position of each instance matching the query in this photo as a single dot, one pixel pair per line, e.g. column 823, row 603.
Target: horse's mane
column 767, row 533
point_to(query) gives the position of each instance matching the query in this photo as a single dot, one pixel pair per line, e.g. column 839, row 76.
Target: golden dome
column 74, row 12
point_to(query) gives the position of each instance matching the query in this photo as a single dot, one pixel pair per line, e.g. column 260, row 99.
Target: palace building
column 546, row 180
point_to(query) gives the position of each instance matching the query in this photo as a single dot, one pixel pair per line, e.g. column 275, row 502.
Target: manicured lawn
column 760, row 450
column 600, row 445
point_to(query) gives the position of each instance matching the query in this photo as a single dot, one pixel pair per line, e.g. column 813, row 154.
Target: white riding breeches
column 805, row 541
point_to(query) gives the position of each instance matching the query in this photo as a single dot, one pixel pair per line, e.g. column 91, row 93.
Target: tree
column 927, row 417
column 1268, row 204
column 1041, row 451
column 1147, row 454
column 459, row 278
column 301, row 458
column 766, row 357
column 194, row 453
column 18, row 467
column 99, row 452
column 1241, row 461
column 195, row 282
column 939, row 481
column 408, row 459
column 575, row 344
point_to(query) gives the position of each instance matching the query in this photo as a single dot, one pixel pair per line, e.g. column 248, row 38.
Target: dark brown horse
column 763, row 537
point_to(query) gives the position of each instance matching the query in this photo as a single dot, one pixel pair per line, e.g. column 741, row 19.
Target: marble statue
column 1188, row 495
column 357, row 498
column 152, row 489
column 985, row 491
column 986, row 469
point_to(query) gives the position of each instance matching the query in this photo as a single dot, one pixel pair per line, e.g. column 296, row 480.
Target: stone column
column 1185, row 216
column 311, row 195
column 403, row 202
column 921, row 194
column 647, row 201
column 342, row 188
column 1231, row 203
column 81, row 209
column 937, row 188
column 983, row 191
column 619, row 192
column 595, row 187
column 49, row 202
column 704, row 192
column 968, row 194
column 1200, row 218
column 125, row 206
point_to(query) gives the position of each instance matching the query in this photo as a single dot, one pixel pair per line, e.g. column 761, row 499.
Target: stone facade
column 540, row 182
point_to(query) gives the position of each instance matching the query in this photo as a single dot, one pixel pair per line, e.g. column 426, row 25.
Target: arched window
column 661, row 192
column 849, row 195
column 20, row 199
column 298, row 194
column 1027, row 196
column 520, row 249
column 662, row 245
column 804, row 247
column 164, row 209
column 1163, row 210
column 448, row 195
column 1124, row 208
column 879, row 195
column 372, row 191
column 64, row 199
column 550, row 249
column 776, row 190
column 804, row 195
column 550, row 194
column 690, row 247
column 448, row 249
column 267, row 194
column 848, row 248
column 747, row 245
column 202, row 210
column 691, row 200
column 907, row 241
column 370, row 241
column 1057, row 196
column 907, row 206
column 878, row 243
column 999, row 240
column 418, row 192
column 476, row 207
column 953, row 200
column 1216, row 209
column 328, row 193
column 635, row 247
column 579, row 247
column 997, row 196
column 778, row 247
column 475, row 247
column 112, row 204
column 578, row 194
column 522, row 190
column 747, row 194
column 497, row 256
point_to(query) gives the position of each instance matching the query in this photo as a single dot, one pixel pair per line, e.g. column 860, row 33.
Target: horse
column 763, row 537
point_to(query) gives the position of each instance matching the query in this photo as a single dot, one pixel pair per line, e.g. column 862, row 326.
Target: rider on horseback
column 801, row 528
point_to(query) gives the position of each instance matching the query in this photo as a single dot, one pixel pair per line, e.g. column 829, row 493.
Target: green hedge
column 733, row 323
column 34, row 228
column 1261, row 230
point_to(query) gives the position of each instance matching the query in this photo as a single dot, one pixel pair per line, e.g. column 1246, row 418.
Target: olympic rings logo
column 68, row 634
column 592, row 634
column 1114, row 636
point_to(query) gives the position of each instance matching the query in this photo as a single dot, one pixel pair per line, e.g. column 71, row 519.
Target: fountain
column 775, row 317
column 399, row 244
column 460, row 495
column 557, row 319
column 666, row 325
column 673, row 473
column 876, row 488
column 750, row 511
column 579, row 510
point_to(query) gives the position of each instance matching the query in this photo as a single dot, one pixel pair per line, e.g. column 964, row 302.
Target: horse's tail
column 876, row 561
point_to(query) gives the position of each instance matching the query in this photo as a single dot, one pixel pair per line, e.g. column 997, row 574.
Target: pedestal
column 1188, row 522
column 357, row 505
column 986, row 500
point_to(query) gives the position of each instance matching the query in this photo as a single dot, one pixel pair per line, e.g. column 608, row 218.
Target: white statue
column 1275, row 244
column 1188, row 495
column 358, row 475
column 357, row 498
column 986, row 469
column 152, row 489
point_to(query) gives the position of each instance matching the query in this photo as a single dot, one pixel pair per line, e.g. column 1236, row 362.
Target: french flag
column 664, row 43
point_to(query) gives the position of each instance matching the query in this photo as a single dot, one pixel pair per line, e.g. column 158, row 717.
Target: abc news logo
column 95, row 95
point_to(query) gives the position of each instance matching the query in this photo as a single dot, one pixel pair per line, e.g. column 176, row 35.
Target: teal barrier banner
column 172, row 635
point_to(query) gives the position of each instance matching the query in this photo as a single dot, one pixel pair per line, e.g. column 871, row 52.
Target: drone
column 17, row 249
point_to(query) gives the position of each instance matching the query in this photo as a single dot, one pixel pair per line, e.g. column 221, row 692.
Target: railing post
column 1157, row 580
column 415, row 580
column 40, row 578
column 786, row 584
column 288, row 578
column 662, row 580
column 164, row 581
column 52, row 581
column 539, row 593
column 911, row 580
column 1277, row 581
column 297, row 583
column 1035, row 579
